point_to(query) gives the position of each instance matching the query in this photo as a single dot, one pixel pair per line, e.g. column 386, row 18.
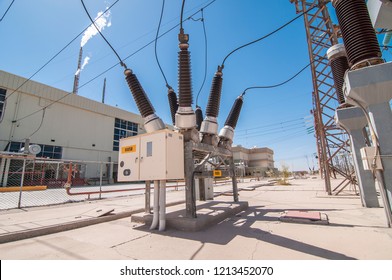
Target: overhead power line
column 269, row 125
column 6, row 11
column 276, row 131
column 205, row 55
column 145, row 46
column 103, row 37
column 279, row 84
column 266, row 36
column 59, row 52
column 61, row 98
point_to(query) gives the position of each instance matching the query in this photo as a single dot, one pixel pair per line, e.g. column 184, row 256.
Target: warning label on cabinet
column 128, row 149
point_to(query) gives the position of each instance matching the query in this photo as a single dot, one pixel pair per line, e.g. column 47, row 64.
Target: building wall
column 255, row 160
column 82, row 127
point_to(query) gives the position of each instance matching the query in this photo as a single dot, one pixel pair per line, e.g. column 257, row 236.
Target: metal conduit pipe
column 162, row 205
column 155, row 218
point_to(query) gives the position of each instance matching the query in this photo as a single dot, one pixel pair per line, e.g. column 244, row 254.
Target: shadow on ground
column 241, row 225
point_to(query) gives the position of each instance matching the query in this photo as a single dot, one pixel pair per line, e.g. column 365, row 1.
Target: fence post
column 21, row 183
column 100, row 180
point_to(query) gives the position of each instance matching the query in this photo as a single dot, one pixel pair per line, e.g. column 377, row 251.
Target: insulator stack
column 184, row 77
column 357, row 31
column 213, row 104
column 234, row 114
column 199, row 117
column 339, row 65
column 173, row 103
column 142, row 102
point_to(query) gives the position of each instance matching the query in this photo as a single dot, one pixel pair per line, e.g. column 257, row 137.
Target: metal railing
column 27, row 181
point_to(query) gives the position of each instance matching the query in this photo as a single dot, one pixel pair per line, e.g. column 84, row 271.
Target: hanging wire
column 280, row 84
column 266, row 36
column 100, row 33
column 40, row 125
column 6, row 11
column 205, row 56
column 143, row 47
column 155, row 45
column 182, row 13
column 107, row 70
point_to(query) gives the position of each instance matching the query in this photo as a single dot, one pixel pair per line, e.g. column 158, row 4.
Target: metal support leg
column 190, row 202
column 147, row 196
column 21, row 184
column 202, row 189
column 155, row 219
column 234, row 180
column 353, row 120
column 162, row 205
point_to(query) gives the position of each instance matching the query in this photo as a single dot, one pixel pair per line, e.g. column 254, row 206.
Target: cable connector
column 182, row 37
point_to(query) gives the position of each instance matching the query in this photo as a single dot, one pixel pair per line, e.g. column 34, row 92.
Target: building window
column 47, row 151
column 123, row 129
column 2, row 102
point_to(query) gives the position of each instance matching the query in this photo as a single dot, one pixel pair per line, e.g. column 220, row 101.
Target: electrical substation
column 351, row 113
column 362, row 81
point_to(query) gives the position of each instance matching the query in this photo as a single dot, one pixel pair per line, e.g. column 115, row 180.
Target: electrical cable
column 269, row 34
column 269, row 125
column 205, row 56
column 280, row 84
column 155, row 45
column 274, row 128
column 103, row 37
column 110, row 68
column 275, row 131
column 143, row 47
column 182, row 13
column 40, row 125
column 58, row 53
column 6, row 11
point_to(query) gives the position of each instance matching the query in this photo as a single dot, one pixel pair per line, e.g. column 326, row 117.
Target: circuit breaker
column 152, row 156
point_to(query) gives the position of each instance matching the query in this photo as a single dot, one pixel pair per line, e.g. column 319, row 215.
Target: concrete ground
column 354, row 232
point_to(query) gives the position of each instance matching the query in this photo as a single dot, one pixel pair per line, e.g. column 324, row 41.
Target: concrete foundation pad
column 304, row 217
column 208, row 214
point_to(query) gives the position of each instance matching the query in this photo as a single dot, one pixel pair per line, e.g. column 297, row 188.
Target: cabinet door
column 152, row 157
column 128, row 159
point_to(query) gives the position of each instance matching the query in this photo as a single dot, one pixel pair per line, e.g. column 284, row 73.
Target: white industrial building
column 254, row 161
column 65, row 125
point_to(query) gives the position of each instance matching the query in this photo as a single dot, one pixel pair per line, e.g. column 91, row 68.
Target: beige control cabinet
column 152, row 156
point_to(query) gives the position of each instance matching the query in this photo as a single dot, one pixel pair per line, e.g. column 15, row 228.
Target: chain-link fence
column 28, row 181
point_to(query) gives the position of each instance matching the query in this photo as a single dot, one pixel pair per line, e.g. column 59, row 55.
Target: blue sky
column 33, row 31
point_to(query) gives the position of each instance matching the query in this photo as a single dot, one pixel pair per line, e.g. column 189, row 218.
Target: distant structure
column 74, row 128
column 253, row 162
column 77, row 73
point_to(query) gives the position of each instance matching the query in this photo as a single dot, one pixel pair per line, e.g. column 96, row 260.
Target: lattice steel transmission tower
column 333, row 145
